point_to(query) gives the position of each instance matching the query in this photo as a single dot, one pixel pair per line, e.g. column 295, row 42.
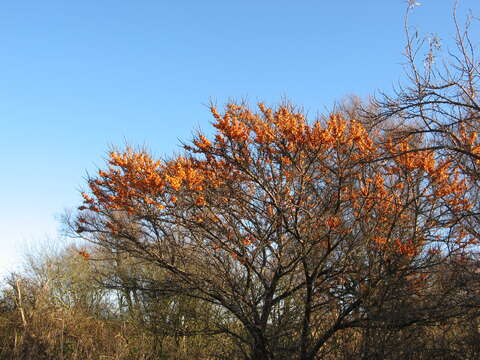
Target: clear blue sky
column 78, row 76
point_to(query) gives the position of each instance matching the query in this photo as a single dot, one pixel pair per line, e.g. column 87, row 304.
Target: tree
column 55, row 309
column 440, row 102
column 295, row 231
column 178, row 326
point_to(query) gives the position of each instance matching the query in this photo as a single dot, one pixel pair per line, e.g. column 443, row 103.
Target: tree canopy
column 295, row 229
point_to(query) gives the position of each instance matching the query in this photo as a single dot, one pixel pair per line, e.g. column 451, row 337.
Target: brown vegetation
column 351, row 236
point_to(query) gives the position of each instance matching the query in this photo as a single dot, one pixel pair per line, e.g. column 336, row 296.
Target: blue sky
column 80, row 76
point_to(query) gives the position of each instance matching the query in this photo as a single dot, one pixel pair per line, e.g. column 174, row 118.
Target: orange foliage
column 84, row 254
column 276, row 157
